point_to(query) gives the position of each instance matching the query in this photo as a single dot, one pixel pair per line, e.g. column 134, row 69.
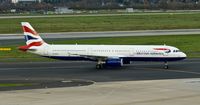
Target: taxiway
column 62, row 70
column 69, row 35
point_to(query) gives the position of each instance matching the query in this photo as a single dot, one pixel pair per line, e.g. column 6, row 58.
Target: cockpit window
column 176, row 51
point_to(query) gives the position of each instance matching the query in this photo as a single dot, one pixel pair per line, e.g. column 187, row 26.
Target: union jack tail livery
column 30, row 34
column 32, row 38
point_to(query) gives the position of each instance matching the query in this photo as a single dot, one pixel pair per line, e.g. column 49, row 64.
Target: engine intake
column 114, row 62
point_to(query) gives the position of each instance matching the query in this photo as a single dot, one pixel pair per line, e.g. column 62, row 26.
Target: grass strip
column 15, row 84
column 104, row 23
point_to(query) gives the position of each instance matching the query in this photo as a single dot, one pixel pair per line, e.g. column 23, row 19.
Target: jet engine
column 114, row 62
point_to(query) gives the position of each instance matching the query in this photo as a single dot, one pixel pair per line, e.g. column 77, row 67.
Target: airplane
column 104, row 55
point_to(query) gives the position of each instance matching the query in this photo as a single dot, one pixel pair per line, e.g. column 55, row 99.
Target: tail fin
column 31, row 36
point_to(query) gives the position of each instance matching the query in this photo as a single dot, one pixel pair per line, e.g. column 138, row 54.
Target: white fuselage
column 137, row 52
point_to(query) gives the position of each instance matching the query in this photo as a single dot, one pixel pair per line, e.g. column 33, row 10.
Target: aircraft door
column 89, row 51
column 47, row 51
column 132, row 52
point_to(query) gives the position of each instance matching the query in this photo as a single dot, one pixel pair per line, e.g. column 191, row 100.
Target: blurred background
column 95, row 6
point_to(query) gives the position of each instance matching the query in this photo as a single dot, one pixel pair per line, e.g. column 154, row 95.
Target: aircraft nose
column 184, row 55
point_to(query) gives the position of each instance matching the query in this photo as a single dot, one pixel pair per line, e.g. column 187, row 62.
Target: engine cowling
column 114, row 62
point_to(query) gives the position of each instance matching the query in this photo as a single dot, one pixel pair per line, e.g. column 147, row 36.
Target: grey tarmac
column 83, row 70
column 70, row 35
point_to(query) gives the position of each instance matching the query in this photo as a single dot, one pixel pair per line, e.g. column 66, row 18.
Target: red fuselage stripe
column 161, row 49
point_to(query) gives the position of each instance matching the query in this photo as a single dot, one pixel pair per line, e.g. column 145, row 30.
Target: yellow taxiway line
column 5, row 49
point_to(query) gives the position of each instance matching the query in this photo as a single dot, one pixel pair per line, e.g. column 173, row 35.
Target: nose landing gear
column 166, row 66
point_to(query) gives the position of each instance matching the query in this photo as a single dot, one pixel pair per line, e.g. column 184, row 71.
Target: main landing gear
column 100, row 65
column 166, row 66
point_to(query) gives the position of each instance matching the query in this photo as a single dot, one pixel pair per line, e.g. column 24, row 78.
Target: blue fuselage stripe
column 124, row 58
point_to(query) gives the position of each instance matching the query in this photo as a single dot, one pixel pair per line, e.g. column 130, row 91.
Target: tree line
column 47, row 5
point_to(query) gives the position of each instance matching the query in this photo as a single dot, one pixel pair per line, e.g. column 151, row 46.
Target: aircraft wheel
column 99, row 66
column 166, row 67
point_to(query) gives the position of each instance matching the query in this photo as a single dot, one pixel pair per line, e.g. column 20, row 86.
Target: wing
column 97, row 57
